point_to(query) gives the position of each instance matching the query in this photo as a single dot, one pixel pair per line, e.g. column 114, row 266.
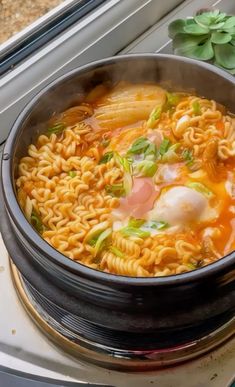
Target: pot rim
column 57, row 258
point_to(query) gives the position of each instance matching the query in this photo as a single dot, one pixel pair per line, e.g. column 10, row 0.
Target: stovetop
column 23, row 347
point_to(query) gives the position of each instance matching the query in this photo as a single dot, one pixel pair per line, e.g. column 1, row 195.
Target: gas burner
column 83, row 340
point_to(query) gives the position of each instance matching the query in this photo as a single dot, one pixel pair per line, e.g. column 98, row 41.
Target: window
column 106, row 29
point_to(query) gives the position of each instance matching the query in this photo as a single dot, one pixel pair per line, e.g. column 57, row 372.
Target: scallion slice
column 116, row 251
column 201, row 188
column 196, row 108
column 133, row 231
column 115, row 189
column 139, row 146
column 56, row 129
column 72, row 174
column 165, row 145
column 36, row 221
column 106, row 158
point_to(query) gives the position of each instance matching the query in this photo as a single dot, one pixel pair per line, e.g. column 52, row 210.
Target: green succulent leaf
column 216, row 12
column 204, row 51
column 220, row 37
column 230, row 31
column 176, row 27
column 184, row 42
column 221, row 17
column 210, row 19
column 229, row 23
column 197, row 49
column 196, row 29
column 225, row 55
column 204, row 19
column 208, row 36
column 217, row 26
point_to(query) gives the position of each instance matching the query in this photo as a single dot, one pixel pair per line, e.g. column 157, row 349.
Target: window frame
column 102, row 33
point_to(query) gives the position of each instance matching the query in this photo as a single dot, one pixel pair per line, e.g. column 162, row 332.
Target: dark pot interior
column 167, row 311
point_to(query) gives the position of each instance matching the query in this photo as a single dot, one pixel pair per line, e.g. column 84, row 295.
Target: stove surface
column 23, row 347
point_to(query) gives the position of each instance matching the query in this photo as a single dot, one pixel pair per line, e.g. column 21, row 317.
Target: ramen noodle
column 135, row 181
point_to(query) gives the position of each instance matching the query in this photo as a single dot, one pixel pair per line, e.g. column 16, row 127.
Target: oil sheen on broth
column 135, row 181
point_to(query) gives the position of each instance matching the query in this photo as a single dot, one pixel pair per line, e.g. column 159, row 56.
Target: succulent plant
column 209, row 36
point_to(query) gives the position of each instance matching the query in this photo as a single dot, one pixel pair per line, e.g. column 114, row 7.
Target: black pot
column 166, row 311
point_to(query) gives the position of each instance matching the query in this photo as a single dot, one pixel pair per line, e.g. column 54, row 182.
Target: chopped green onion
column 171, row 156
column 133, row 231
column 201, row 188
column 116, row 251
column 196, row 108
column 72, row 174
column 154, row 116
column 151, row 152
column 56, row 129
column 157, row 225
column 191, row 266
column 127, row 183
column 172, row 99
column 105, row 142
column 124, row 162
column 115, row 190
column 146, row 168
column 36, row 221
column 100, row 243
column 165, row 145
column 188, row 157
column 106, row 158
column 136, row 223
column 139, row 146
column 92, row 241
